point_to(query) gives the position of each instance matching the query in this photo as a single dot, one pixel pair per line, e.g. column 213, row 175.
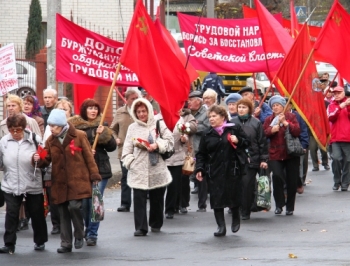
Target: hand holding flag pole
column 107, row 102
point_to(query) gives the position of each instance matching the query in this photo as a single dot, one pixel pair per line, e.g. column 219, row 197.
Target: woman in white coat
column 147, row 169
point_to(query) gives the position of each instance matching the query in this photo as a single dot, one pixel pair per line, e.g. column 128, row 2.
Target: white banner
column 8, row 75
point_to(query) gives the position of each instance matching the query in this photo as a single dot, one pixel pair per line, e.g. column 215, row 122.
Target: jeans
column 90, row 227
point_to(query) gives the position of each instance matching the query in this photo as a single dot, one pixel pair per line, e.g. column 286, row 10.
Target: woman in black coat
column 258, row 152
column 219, row 162
column 89, row 121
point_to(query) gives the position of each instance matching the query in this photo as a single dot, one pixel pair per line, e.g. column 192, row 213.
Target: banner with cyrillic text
column 226, row 45
column 8, row 75
column 85, row 57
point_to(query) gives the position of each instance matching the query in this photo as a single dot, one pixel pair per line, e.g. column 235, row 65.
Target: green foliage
column 34, row 30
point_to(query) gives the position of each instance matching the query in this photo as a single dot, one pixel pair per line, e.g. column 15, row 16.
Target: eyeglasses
column 16, row 130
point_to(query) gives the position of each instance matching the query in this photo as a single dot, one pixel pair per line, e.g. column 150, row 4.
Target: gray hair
column 49, row 89
column 131, row 91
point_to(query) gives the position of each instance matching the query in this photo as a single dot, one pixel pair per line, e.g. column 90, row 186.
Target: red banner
column 85, row 57
column 226, row 45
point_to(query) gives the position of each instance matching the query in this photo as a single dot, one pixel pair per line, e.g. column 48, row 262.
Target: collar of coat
column 79, row 123
column 150, row 112
column 71, row 134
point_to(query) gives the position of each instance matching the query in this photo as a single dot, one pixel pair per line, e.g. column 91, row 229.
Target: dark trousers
column 285, row 172
column 55, row 216
column 313, row 147
column 340, row 164
column 126, row 190
column 156, row 202
column 172, row 194
column 202, row 193
column 248, row 188
column 71, row 212
column 184, row 193
column 35, row 207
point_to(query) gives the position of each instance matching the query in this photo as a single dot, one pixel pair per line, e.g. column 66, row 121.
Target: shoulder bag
column 293, row 144
column 188, row 166
column 167, row 154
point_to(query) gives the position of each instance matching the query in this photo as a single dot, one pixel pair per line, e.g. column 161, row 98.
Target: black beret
column 333, row 84
column 193, row 94
column 245, row 89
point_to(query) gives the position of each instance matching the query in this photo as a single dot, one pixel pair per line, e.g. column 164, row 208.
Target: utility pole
column 53, row 7
column 210, row 8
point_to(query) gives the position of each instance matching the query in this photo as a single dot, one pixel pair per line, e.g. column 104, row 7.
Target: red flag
column 192, row 73
column 307, row 100
column 82, row 92
column 159, row 70
column 341, row 81
column 274, row 36
column 294, row 21
column 332, row 43
column 249, row 12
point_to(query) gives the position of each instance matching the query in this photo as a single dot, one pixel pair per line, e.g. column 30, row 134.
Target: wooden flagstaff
column 299, row 78
column 107, row 102
column 267, row 92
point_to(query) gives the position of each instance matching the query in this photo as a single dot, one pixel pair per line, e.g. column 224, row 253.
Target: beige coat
column 141, row 174
column 181, row 148
column 32, row 125
column 120, row 125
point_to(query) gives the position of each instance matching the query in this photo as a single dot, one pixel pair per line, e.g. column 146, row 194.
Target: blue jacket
column 265, row 111
column 304, row 135
column 213, row 81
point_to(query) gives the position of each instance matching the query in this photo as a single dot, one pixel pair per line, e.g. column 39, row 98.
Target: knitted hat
column 277, row 99
column 57, row 117
column 233, row 98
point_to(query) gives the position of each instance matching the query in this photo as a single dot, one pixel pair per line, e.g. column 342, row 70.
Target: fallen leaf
column 322, row 231
column 304, row 230
column 308, row 181
column 292, row 256
column 243, row 258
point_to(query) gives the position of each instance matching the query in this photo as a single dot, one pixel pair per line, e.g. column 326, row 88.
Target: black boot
column 236, row 221
column 220, row 220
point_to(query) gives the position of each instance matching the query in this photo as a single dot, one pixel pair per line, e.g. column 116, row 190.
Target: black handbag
column 293, row 144
column 167, row 154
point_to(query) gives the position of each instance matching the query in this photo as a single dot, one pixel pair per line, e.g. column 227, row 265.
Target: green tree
column 34, row 30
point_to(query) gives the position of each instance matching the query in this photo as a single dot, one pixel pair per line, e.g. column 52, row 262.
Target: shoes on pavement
column 7, row 249
column 202, row 210
column 315, row 169
column 91, row 242
column 39, row 247
column 326, row 167
column 336, row 186
column 289, row 212
column 55, row 231
column 123, row 209
column 155, row 230
column 300, row 190
column 344, row 189
column 140, row 233
column 195, row 191
column 245, row 217
column 183, row 210
column 64, row 250
column 169, row 215
column 278, row 210
column 78, row 243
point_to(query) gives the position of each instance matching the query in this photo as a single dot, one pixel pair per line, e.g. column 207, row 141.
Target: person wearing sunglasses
column 21, row 180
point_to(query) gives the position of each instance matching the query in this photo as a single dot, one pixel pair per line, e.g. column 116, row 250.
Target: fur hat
column 277, row 99
column 57, row 117
column 233, row 98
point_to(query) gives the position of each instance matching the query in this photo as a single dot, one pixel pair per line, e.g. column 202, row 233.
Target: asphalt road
column 317, row 234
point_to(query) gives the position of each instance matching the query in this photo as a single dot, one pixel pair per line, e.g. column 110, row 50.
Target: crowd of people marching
column 230, row 146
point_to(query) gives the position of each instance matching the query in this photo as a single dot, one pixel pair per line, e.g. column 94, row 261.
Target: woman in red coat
column 285, row 168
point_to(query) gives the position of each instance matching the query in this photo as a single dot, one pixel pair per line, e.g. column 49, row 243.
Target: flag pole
column 299, row 79
column 195, row 33
column 329, row 85
column 267, row 92
column 107, row 102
